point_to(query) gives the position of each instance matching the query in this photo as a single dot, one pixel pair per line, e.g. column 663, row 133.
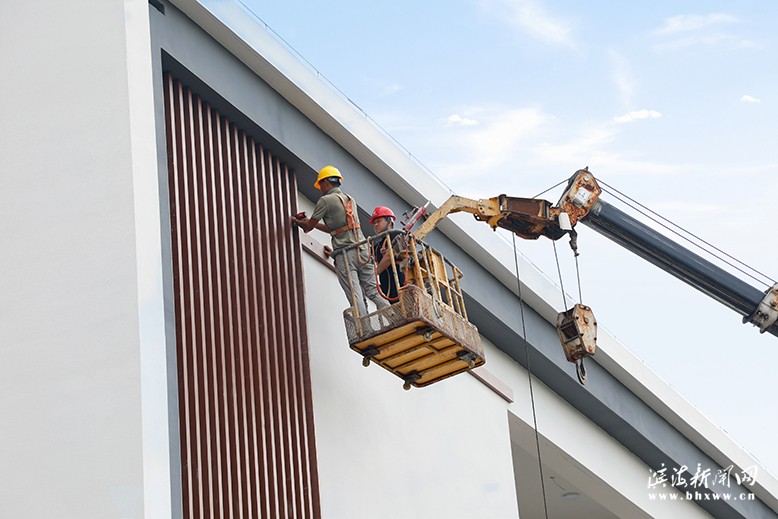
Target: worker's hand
column 299, row 218
column 327, row 251
column 308, row 224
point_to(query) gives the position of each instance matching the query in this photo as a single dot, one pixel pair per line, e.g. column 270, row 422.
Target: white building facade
column 170, row 346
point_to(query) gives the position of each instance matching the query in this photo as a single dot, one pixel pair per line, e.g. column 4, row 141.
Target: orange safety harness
column 392, row 271
column 351, row 221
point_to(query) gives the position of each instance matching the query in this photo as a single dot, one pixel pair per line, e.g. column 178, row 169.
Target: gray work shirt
column 330, row 210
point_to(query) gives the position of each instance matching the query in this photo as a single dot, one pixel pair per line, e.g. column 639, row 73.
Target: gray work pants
column 356, row 264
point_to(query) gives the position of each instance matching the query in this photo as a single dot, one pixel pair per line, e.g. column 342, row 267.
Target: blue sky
column 673, row 102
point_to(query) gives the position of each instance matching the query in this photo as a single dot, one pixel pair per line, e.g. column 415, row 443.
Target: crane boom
column 691, row 268
column 531, row 218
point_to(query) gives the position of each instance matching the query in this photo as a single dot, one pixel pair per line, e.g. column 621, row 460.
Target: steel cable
column 529, row 376
column 617, row 194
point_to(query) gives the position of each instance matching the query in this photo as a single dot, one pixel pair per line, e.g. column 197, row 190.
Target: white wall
column 438, row 452
column 578, row 450
column 70, row 362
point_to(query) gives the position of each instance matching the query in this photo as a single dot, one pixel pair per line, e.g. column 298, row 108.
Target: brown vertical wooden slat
column 246, row 339
column 267, row 360
column 221, row 394
column 197, row 293
column 223, row 338
column 205, row 244
column 272, row 362
column 286, row 326
column 173, row 113
column 217, row 346
column 278, row 365
column 293, row 309
column 240, row 346
column 257, row 173
column 280, row 244
column 186, row 293
column 245, row 408
column 191, row 296
column 233, row 316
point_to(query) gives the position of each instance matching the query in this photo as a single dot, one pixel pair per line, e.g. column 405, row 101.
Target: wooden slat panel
column 424, row 359
column 245, row 406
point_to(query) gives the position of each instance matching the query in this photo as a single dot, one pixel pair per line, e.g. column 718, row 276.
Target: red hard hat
column 380, row 212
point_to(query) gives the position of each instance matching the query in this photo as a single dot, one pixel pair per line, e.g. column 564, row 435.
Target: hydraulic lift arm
column 483, row 210
column 528, row 218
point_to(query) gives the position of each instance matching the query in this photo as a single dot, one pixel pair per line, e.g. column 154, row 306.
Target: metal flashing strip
column 491, row 381
column 316, row 249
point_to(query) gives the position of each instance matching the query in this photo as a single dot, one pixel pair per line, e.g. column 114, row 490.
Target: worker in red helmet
column 383, row 220
column 336, row 213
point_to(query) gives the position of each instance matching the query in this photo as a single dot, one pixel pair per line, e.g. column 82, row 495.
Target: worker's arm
column 322, row 209
column 308, row 224
column 385, row 259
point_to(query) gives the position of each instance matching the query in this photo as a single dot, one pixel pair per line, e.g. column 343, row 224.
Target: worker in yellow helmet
column 336, row 214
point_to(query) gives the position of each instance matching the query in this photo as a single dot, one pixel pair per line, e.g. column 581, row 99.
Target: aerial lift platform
column 425, row 336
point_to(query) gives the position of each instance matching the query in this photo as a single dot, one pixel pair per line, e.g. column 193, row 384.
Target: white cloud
column 583, row 148
column 694, row 22
column 686, row 210
column 496, row 141
column 388, row 89
column 503, row 134
column 750, row 99
column 531, row 18
column 689, row 30
column 458, row 120
column 512, row 148
column 507, row 139
column 720, row 40
column 637, row 115
column 622, row 76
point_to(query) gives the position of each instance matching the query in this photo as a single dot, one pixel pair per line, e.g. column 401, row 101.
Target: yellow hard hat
column 327, row 172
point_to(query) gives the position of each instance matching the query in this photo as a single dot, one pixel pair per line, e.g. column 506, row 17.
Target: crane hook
column 580, row 370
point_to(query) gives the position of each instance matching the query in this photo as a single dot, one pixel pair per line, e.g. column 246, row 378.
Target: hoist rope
column 559, row 271
column 615, row 193
column 578, row 274
column 549, row 189
column 529, row 376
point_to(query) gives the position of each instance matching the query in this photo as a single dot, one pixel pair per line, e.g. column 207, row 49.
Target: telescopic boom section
column 754, row 305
